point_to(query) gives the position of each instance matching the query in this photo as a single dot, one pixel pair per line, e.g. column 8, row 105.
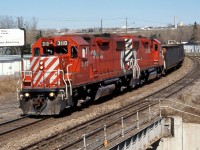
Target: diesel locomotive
column 70, row 70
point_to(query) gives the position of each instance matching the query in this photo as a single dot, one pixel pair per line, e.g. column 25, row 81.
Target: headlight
column 26, row 94
column 51, row 94
column 41, row 67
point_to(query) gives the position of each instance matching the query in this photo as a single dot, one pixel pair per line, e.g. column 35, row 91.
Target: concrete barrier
column 186, row 137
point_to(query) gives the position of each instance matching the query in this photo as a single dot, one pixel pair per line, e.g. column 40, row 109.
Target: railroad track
column 93, row 131
column 12, row 125
column 179, row 84
column 15, row 127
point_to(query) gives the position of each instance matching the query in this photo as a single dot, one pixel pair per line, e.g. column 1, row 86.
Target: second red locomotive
column 70, row 70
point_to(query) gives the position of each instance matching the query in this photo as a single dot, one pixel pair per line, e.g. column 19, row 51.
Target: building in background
column 11, row 64
column 192, row 47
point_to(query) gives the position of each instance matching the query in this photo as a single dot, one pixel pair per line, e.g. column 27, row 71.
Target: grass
column 8, row 84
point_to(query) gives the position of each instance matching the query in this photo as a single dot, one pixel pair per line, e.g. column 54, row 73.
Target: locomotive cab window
column 155, row 47
column 146, row 46
column 120, row 45
column 61, row 50
column 36, row 51
column 48, row 51
column 74, row 52
column 103, row 45
column 136, row 45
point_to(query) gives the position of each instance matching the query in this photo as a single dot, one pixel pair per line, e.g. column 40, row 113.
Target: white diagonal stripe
column 33, row 61
column 47, row 72
column 128, row 51
column 37, row 76
column 34, row 68
column 128, row 57
column 129, row 42
column 48, row 61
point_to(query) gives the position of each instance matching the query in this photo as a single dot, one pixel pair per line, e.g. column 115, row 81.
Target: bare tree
column 31, row 30
column 7, row 22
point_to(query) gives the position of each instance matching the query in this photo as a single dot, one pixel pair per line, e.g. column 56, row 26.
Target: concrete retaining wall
column 186, row 137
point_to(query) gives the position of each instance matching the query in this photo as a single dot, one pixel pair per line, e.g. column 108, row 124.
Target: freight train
column 71, row 70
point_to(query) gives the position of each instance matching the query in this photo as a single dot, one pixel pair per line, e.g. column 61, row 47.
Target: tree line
column 188, row 33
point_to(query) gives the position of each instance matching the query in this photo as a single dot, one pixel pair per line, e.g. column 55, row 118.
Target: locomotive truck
column 70, row 70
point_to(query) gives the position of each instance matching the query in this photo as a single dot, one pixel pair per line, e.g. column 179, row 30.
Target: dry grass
column 8, row 85
column 184, row 97
column 196, row 100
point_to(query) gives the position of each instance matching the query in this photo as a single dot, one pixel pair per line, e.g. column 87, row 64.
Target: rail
column 16, row 124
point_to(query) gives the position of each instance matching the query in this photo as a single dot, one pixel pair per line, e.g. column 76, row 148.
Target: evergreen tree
column 153, row 36
column 195, row 33
column 39, row 35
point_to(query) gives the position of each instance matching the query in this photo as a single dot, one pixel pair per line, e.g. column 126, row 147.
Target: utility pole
column 22, row 51
column 20, row 26
column 175, row 24
column 126, row 26
column 101, row 27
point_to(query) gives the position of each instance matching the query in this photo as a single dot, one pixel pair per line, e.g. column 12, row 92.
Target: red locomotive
column 70, row 70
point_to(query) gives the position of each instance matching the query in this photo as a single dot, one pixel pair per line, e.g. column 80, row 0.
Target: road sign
column 12, row 37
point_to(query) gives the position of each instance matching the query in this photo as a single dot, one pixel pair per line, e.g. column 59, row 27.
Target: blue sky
column 88, row 13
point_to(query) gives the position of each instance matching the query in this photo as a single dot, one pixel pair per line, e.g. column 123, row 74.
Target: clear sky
column 88, row 13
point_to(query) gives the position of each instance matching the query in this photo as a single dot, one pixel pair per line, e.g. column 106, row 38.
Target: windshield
column 48, row 51
column 61, row 50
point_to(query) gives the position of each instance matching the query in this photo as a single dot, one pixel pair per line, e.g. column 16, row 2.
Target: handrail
column 135, row 68
column 70, row 85
column 66, row 91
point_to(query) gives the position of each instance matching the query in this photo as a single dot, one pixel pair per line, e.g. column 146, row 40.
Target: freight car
column 173, row 56
column 70, row 70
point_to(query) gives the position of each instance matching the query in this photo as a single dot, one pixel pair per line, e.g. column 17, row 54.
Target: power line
column 93, row 20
